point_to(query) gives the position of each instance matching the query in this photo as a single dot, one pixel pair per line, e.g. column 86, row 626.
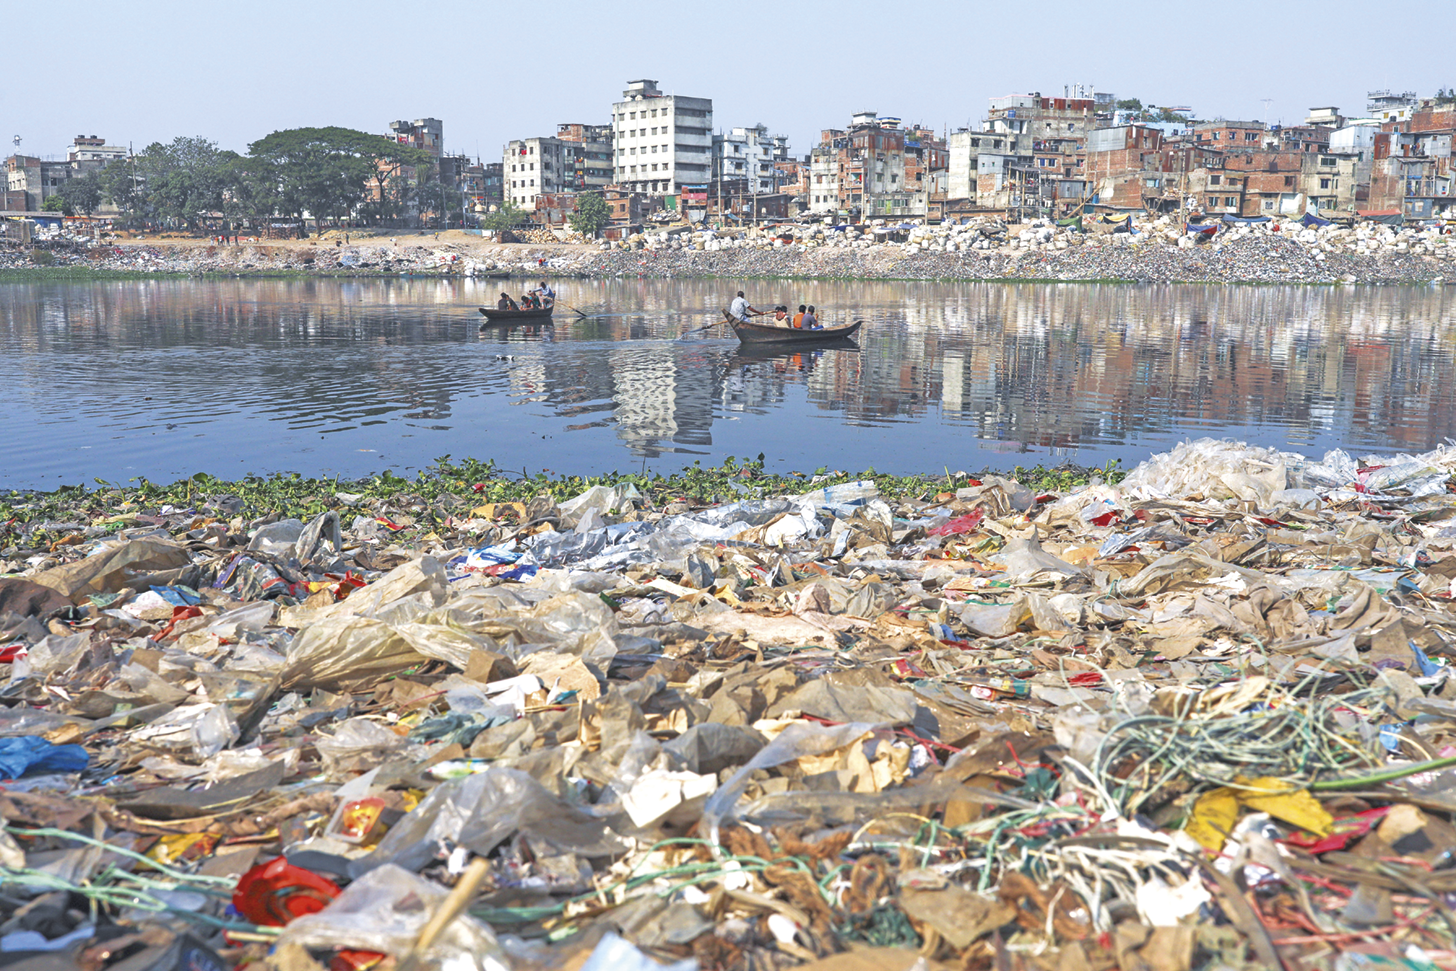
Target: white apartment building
column 576, row 160
column 531, row 166
column 749, row 154
column 824, row 180
column 662, row 142
column 92, row 148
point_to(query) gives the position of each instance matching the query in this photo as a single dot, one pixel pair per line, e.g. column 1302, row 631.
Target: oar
column 699, row 330
column 577, row 312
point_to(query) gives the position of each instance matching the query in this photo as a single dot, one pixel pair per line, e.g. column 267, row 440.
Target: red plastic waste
column 276, row 892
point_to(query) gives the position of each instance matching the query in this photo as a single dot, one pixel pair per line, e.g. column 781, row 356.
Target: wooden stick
column 448, row 910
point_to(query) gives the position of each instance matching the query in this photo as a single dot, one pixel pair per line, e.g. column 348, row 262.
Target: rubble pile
column 325, row 260
column 1162, row 249
column 1153, row 250
column 1202, row 717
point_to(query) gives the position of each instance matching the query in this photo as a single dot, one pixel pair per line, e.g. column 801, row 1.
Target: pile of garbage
column 1203, row 717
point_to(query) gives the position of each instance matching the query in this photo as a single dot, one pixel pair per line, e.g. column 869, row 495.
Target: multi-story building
column 861, row 170
column 589, row 148
column 1118, row 163
column 750, row 155
column 577, row 159
column 1031, row 114
column 93, row 149
column 1386, row 105
column 1413, row 171
column 30, row 181
column 423, row 133
column 661, row 142
column 963, row 151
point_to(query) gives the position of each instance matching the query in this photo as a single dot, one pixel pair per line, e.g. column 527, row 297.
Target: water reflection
column 163, row 378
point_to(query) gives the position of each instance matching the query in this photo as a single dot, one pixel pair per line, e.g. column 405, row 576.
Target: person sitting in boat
column 740, row 310
column 545, row 294
column 811, row 320
column 506, row 303
column 799, row 318
column 781, row 316
column 528, row 302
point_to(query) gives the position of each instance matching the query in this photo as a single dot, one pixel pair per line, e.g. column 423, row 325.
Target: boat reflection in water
column 164, row 378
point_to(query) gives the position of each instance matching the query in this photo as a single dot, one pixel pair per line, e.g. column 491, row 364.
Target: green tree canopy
column 506, row 217
column 83, row 194
column 57, row 204
column 591, row 215
column 325, row 172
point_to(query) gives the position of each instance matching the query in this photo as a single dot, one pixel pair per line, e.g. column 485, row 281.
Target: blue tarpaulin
column 1310, row 219
column 1245, row 220
column 1201, row 227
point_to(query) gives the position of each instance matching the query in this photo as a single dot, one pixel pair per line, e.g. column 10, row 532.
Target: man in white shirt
column 740, row 309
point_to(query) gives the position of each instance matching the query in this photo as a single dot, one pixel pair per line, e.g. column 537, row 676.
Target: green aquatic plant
column 463, row 484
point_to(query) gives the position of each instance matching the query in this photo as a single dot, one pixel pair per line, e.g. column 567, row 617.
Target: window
column 1288, row 181
column 654, row 129
column 1231, row 202
column 1215, row 179
column 654, row 112
column 633, row 116
column 1251, row 136
column 1268, row 203
column 1215, row 136
column 1324, row 183
column 1327, row 160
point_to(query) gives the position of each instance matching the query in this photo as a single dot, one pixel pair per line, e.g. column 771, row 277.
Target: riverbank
column 639, row 718
column 1158, row 252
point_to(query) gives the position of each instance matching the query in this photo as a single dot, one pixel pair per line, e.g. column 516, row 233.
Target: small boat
column 768, row 334
column 494, row 316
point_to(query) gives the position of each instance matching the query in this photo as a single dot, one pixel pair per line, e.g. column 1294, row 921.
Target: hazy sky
column 148, row 70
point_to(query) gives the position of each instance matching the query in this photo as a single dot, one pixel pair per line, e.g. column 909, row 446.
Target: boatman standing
column 740, row 310
column 547, row 295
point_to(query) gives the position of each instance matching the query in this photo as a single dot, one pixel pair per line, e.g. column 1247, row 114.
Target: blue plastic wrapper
column 29, row 753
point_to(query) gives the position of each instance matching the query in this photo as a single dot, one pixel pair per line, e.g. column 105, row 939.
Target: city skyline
column 228, row 76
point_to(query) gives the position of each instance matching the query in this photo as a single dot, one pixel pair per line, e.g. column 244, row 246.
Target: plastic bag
column 482, row 811
column 385, row 910
column 797, row 740
column 358, row 744
column 1214, row 469
column 111, row 568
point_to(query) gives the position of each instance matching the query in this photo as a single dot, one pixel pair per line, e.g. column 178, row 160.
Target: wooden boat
column 750, row 333
column 494, row 316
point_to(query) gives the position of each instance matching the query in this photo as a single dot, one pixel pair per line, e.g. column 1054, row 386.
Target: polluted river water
column 165, row 378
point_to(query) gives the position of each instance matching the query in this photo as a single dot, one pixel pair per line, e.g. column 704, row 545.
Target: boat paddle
column 717, row 323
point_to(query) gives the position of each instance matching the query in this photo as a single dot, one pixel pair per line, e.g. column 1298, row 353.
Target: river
column 164, row 378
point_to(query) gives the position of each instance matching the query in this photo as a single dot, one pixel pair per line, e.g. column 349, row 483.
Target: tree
column 182, row 181
column 83, row 194
column 591, row 215
column 435, row 198
column 325, row 172
column 1129, row 104
column 58, row 204
column 506, row 217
